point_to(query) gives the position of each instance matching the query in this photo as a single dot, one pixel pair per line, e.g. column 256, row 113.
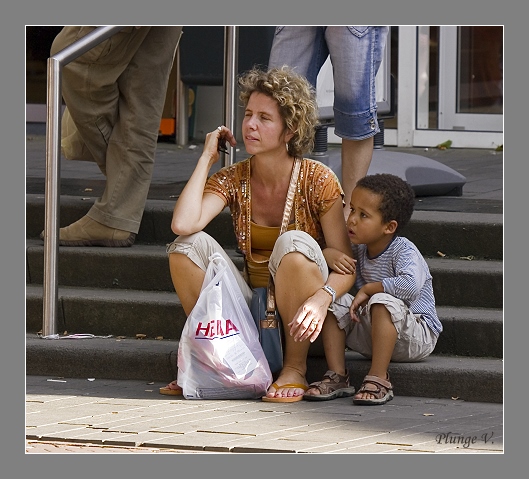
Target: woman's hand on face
column 216, row 141
column 308, row 321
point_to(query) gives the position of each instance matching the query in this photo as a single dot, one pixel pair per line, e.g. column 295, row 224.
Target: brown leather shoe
column 88, row 232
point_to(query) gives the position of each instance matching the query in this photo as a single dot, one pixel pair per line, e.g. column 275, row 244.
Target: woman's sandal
column 286, row 398
column 332, row 386
column 172, row 389
column 383, row 391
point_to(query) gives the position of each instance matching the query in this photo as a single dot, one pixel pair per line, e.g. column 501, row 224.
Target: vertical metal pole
column 53, row 168
column 181, row 101
column 53, row 179
column 182, row 133
column 230, row 75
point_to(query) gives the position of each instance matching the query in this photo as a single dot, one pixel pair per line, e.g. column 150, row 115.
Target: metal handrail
column 230, row 72
column 53, row 153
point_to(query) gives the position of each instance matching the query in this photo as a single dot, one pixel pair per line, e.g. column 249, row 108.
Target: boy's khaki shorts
column 415, row 340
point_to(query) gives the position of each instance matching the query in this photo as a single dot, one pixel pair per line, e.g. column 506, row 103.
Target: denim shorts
column 356, row 54
column 198, row 247
column 415, row 340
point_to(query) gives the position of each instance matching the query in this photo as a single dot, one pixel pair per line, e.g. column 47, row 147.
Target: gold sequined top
column 316, row 191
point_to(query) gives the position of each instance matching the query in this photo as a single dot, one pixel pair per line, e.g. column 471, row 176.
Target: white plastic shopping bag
column 219, row 355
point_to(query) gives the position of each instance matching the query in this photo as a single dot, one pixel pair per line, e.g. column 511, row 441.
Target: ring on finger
column 219, row 128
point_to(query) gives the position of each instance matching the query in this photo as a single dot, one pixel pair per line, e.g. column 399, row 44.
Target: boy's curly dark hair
column 397, row 197
column 296, row 99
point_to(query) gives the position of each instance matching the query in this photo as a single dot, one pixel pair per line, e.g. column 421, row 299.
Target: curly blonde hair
column 296, row 99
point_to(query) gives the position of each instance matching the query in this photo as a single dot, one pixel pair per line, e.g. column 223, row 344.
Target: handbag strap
column 271, row 297
column 290, row 195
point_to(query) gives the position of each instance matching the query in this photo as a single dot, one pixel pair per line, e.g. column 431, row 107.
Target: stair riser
column 482, row 239
column 102, row 268
column 102, row 317
column 478, row 338
column 155, row 225
column 468, row 288
column 159, row 365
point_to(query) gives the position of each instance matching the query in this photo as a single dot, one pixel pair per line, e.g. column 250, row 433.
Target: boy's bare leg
column 383, row 339
column 333, row 339
column 334, row 345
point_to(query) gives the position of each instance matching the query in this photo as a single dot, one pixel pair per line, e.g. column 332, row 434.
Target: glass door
column 471, row 78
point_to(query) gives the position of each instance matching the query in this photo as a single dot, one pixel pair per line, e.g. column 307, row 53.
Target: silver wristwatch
column 331, row 291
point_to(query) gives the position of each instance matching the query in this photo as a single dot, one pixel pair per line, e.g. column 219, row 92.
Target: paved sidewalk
column 133, row 415
column 67, row 447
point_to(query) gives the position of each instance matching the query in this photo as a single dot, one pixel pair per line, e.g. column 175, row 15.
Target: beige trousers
column 114, row 97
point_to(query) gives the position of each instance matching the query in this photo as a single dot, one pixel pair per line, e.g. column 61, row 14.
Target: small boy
column 393, row 312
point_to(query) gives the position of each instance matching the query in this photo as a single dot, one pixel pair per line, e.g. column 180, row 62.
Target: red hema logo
column 216, row 328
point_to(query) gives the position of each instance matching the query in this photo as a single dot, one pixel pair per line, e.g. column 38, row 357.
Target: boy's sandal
column 383, row 391
column 332, row 386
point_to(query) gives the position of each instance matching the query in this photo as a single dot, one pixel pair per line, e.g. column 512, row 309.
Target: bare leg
column 334, row 346
column 187, row 279
column 383, row 339
column 296, row 279
column 356, row 158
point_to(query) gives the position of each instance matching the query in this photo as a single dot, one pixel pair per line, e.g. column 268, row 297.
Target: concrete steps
column 467, row 331
column 457, row 282
column 469, row 379
column 123, row 292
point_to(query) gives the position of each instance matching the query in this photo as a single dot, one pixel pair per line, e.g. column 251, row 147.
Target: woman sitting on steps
column 278, row 127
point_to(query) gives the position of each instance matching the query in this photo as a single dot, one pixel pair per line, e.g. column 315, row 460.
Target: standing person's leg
column 90, row 91
column 356, row 53
column 302, row 48
column 132, row 143
column 91, row 94
column 356, row 159
column 115, row 96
